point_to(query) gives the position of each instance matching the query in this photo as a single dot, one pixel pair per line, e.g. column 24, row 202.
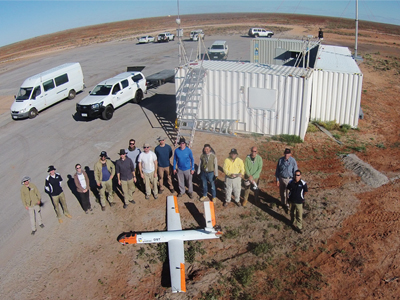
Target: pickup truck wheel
column 107, row 113
column 269, row 35
column 32, row 113
column 138, row 97
column 71, row 94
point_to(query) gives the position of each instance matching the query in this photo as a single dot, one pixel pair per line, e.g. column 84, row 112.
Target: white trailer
column 47, row 88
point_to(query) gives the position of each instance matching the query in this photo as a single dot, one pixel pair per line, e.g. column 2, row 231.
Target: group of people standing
column 150, row 170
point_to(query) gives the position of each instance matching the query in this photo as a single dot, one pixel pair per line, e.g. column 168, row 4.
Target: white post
column 355, row 47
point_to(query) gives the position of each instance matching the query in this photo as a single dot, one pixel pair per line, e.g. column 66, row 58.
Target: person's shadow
column 72, row 187
column 92, row 183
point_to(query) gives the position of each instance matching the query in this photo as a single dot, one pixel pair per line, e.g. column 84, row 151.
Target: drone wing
column 173, row 217
column 176, row 251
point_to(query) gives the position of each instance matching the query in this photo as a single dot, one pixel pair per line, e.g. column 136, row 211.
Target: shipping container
column 265, row 99
column 337, row 87
column 283, row 51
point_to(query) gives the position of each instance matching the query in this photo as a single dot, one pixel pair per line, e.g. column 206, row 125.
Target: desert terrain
column 350, row 248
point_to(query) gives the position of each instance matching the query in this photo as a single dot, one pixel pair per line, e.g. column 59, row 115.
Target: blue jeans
column 208, row 176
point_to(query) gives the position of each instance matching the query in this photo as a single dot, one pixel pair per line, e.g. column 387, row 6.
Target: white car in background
column 195, row 34
column 170, row 36
column 146, row 39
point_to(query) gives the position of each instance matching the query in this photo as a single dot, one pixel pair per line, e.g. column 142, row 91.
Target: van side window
column 116, row 89
column 48, row 85
column 137, row 77
column 124, row 83
column 36, row 92
column 61, row 79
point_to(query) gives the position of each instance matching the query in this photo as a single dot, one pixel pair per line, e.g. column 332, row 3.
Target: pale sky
column 20, row 20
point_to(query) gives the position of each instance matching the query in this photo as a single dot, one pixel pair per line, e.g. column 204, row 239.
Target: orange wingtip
column 183, row 278
column 176, row 205
column 212, row 213
column 129, row 238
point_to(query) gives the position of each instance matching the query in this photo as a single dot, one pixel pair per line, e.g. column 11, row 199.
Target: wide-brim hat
column 122, row 152
column 51, row 168
column 25, row 178
column 182, row 140
column 287, row 151
column 103, row 153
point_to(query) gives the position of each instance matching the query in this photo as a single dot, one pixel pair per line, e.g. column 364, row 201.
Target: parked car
column 146, row 39
column 195, row 34
column 47, row 88
column 170, row 36
column 162, row 38
column 260, row 32
column 112, row 93
column 219, row 50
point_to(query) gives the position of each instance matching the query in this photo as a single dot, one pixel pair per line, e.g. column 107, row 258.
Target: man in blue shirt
column 184, row 167
column 164, row 154
column 284, row 173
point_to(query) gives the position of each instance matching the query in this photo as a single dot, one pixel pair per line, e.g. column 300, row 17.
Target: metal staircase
column 188, row 103
column 189, row 95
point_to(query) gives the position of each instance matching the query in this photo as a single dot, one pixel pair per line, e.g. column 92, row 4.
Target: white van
column 42, row 90
column 112, row 93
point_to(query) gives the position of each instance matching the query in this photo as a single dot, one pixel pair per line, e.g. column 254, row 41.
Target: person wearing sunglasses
column 31, row 199
column 297, row 189
column 82, row 186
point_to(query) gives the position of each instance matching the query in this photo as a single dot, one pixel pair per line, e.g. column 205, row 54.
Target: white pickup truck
column 112, row 93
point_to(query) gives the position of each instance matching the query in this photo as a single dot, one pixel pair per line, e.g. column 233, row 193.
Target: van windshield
column 101, row 90
column 217, row 47
column 24, row 93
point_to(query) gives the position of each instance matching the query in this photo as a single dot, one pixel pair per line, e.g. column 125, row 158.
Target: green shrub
column 244, row 275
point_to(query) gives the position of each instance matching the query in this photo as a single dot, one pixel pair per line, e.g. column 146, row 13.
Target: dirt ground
column 350, row 248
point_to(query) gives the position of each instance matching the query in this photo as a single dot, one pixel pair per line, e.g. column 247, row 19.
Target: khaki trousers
column 149, row 179
column 34, row 213
column 247, row 189
column 232, row 184
column 167, row 173
column 60, row 199
column 128, row 188
column 283, row 182
column 106, row 187
column 296, row 214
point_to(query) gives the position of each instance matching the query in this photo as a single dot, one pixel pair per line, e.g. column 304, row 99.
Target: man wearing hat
column 126, row 177
column 285, row 169
column 148, row 170
column 30, row 197
column 234, row 171
column 164, row 153
column 184, row 167
column 252, row 165
column 104, row 171
column 52, row 186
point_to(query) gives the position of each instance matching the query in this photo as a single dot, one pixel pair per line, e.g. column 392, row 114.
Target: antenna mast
column 355, row 47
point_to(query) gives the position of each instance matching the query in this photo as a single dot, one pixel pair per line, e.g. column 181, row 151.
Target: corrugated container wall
column 336, row 97
column 277, row 51
column 337, row 87
column 225, row 95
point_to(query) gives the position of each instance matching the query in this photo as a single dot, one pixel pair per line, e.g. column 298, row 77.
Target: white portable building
column 266, row 99
column 337, row 86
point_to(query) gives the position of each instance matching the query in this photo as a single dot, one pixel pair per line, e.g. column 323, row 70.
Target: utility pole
column 355, row 47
